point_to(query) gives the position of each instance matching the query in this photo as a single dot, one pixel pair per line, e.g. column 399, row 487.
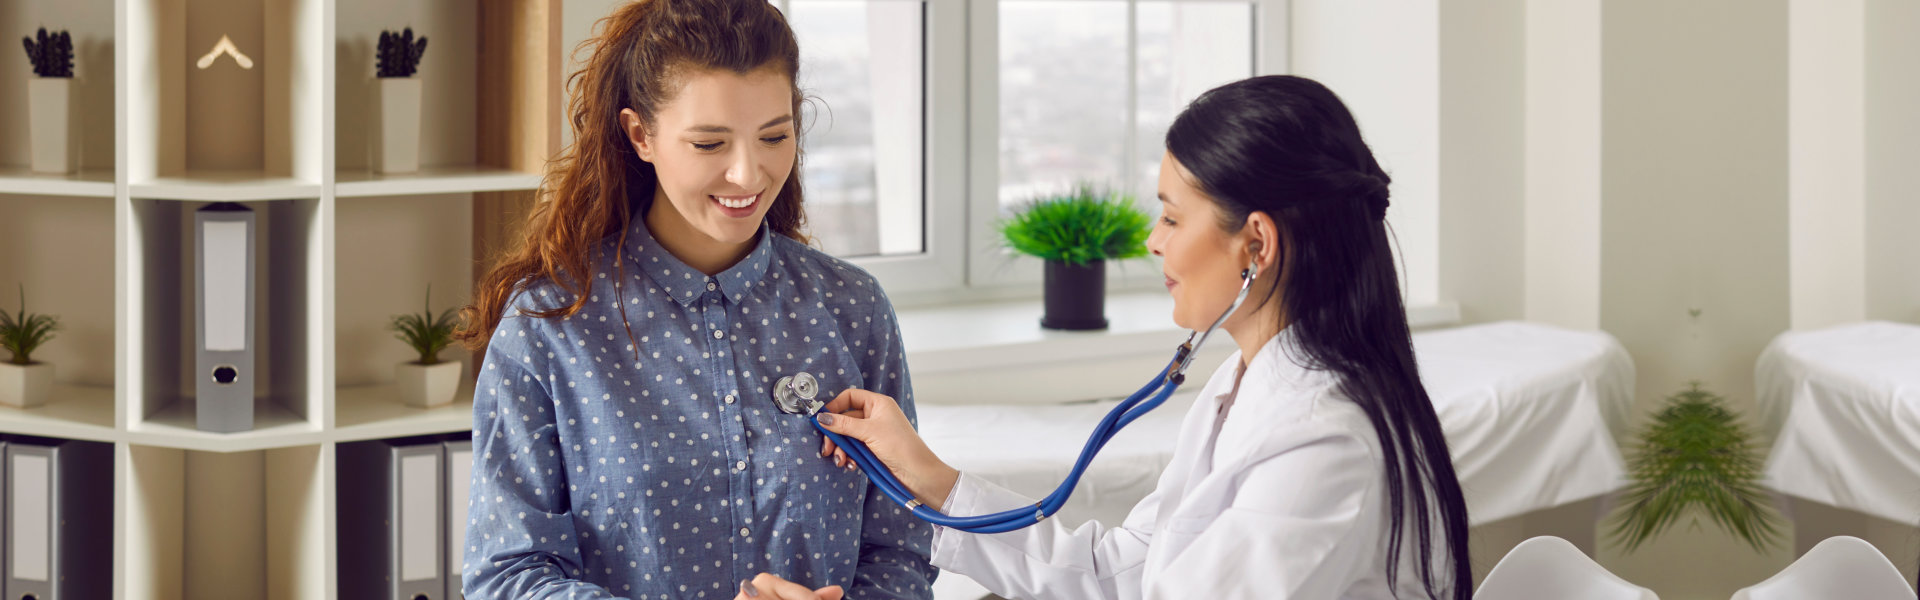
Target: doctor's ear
column 636, row 131
column 1263, row 247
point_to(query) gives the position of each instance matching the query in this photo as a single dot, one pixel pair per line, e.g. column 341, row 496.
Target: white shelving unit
column 341, row 249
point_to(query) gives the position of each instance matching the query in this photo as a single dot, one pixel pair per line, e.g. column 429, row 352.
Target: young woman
column 625, row 441
column 1312, row 465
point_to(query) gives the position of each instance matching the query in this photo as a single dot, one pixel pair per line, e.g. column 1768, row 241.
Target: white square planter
column 25, row 386
column 426, row 386
column 50, row 108
column 396, row 125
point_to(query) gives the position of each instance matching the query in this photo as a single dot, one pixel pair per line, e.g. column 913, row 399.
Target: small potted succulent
column 50, row 102
column 23, row 382
column 1696, row 459
column 1076, row 233
column 426, row 382
column 396, row 109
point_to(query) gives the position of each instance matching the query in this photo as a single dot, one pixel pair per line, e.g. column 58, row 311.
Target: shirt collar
column 686, row 284
column 1277, row 366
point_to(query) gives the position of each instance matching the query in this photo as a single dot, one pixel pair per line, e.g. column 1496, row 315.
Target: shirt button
column 711, row 286
column 740, row 466
column 729, row 398
column 743, row 532
column 718, row 334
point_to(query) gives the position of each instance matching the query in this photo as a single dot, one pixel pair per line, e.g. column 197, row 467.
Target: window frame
column 941, row 264
column 962, row 259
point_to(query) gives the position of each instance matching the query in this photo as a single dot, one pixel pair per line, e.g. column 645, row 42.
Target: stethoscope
column 798, row 394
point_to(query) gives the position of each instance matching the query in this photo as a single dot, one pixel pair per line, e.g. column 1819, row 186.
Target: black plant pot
column 1076, row 296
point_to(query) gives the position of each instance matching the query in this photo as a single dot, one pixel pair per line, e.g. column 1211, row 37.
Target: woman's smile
column 737, row 207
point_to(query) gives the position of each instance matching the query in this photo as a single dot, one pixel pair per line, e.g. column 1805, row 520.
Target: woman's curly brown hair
column 641, row 56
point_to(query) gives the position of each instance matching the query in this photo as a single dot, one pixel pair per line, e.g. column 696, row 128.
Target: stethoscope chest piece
column 797, row 394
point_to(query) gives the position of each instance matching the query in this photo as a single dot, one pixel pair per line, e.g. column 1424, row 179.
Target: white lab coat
column 1285, row 501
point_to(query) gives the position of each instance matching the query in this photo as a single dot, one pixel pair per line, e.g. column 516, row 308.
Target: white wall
column 1892, row 193
column 1694, row 169
column 1482, row 139
column 1826, row 177
column 1384, row 63
column 1562, row 166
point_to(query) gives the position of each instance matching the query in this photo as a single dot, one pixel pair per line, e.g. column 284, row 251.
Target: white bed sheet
column 1842, row 405
column 1531, row 414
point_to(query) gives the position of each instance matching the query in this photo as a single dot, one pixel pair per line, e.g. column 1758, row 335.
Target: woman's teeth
column 736, row 202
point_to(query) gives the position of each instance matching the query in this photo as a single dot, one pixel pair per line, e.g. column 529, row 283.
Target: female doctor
column 1312, row 464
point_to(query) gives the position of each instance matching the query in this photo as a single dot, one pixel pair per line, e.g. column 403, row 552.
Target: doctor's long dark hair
column 1286, row 146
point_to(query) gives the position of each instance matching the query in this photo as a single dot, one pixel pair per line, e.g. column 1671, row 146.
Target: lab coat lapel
column 1190, row 462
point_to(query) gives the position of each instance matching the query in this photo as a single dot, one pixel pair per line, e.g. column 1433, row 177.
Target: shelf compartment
column 191, row 129
column 449, row 74
column 288, row 270
column 387, row 253
column 91, row 25
column 63, row 257
column 226, row 525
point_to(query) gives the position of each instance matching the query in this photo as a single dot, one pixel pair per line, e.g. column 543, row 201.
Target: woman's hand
column 768, row 586
column 876, row 421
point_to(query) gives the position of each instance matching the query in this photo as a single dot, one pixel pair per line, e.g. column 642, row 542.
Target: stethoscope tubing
column 1147, row 398
column 1135, row 406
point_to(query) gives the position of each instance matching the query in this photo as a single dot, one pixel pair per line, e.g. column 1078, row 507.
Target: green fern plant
column 25, row 332
column 426, row 333
column 1696, row 459
column 1080, row 226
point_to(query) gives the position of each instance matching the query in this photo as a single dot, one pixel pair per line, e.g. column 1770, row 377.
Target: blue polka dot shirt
column 673, row 475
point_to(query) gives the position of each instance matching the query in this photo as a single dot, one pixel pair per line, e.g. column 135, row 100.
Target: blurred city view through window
column 1063, row 103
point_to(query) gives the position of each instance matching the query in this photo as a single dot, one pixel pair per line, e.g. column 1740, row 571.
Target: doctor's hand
column 768, row 586
column 876, row 421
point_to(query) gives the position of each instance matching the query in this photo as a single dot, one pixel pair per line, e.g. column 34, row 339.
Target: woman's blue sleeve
column 896, row 547
column 521, row 539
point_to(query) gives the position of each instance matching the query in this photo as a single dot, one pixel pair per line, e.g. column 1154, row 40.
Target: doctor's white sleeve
column 1046, row 560
column 1300, row 523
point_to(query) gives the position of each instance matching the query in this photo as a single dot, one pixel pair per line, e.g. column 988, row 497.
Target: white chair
column 1838, row 567
column 1550, row 567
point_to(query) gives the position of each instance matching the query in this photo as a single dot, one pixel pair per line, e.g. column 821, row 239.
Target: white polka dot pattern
column 658, row 466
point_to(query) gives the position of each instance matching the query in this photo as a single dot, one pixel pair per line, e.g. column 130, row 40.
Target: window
column 861, row 68
column 1061, row 60
column 1053, row 115
column 929, row 118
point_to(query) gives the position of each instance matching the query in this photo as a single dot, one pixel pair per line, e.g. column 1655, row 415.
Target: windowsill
column 1004, row 341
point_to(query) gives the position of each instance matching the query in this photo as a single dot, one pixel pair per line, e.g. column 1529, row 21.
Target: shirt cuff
column 946, row 542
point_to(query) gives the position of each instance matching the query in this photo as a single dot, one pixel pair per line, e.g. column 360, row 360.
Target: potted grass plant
column 24, row 382
column 426, row 382
column 1695, row 459
column 396, row 105
column 1076, row 233
column 50, row 102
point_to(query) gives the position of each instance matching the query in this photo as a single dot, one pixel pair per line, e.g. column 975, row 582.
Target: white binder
column 59, row 519
column 459, row 480
column 392, row 500
column 224, row 344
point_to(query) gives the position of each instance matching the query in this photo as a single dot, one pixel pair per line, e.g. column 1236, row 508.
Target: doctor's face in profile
column 1202, row 261
column 723, row 148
